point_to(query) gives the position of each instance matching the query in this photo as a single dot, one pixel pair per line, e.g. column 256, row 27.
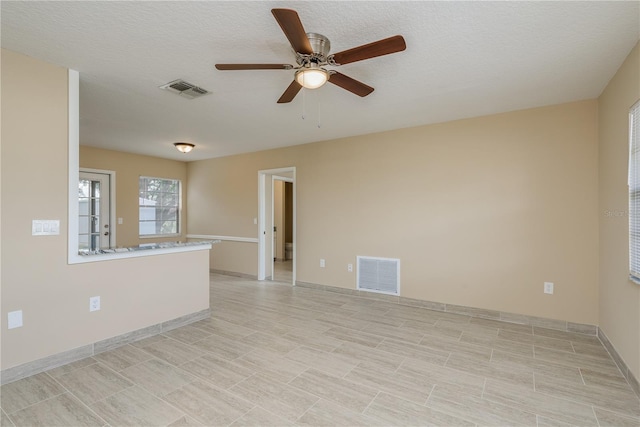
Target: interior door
column 94, row 211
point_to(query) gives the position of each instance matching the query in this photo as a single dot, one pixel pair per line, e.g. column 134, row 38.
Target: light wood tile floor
column 277, row 355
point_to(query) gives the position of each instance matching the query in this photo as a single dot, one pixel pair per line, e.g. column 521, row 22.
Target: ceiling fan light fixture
column 184, row 147
column 312, row 78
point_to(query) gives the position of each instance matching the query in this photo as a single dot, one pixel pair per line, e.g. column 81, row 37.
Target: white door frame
column 262, row 226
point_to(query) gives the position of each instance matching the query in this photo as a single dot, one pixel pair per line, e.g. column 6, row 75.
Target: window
column 159, row 201
column 634, row 193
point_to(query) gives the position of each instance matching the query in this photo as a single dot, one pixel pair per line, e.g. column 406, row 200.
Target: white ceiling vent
column 380, row 275
column 185, row 89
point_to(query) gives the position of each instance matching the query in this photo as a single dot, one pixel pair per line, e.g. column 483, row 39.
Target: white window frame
column 634, row 193
column 179, row 219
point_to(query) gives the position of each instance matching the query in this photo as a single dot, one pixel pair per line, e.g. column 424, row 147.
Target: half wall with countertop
column 37, row 278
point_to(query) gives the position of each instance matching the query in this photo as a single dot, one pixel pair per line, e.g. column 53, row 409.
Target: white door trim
column 262, row 226
column 273, row 209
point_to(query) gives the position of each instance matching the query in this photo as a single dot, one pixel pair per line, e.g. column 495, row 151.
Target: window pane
column 83, row 224
column 164, row 214
column 169, row 227
column 147, row 213
column 147, row 228
column 83, row 206
column 83, row 188
column 159, row 206
column 96, row 189
column 83, row 241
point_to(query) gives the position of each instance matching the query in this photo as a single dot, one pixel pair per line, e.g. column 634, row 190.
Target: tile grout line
column 241, row 416
column 581, row 376
column 447, row 361
column 274, row 414
column 76, row 397
column 484, row 387
column 593, row 409
column 583, row 403
column 162, row 398
column 344, row 377
column 112, row 394
column 404, row 359
column 184, row 414
column 573, row 347
column 433, row 387
column 307, row 410
column 372, row 400
column 33, row 404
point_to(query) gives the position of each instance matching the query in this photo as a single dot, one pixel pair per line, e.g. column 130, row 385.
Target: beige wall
column 36, row 278
column 481, row 211
column 619, row 297
column 129, row 167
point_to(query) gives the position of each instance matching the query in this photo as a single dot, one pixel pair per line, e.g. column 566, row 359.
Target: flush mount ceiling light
column 312, row 77
column 183, row 147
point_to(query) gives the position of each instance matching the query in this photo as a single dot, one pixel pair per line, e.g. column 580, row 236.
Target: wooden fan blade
column 254, row 66
column 352, row 85
column 290, row 93
column 290, row 23
column 381, row 47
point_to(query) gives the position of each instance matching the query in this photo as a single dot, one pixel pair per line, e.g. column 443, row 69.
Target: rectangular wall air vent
column 380, row 275
column 185, row 89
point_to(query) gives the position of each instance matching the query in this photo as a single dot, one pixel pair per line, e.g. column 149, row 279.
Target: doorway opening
column 277, row 225
column 282, row 226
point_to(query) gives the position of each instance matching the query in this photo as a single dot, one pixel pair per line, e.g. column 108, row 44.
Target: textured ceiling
column 463, row 59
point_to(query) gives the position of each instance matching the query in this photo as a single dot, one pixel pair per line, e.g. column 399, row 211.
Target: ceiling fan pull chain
column 318, row 98
column 304, row 97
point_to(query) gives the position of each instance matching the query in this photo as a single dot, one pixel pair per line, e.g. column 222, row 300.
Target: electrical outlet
column 14, row 319
column 322, row 263
column 548, row 288
column 350, row 268
column 94, row 303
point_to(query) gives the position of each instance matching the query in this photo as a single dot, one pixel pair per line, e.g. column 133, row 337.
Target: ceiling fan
column 312, row 55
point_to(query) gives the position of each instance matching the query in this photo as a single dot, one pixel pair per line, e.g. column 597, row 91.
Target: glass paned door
column 94, row 221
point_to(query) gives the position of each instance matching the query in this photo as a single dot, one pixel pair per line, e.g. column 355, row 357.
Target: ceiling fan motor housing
column 312, row 54
column 319, row 44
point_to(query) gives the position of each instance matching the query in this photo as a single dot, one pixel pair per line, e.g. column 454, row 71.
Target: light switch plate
column 14, row 319
column 45, row 227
